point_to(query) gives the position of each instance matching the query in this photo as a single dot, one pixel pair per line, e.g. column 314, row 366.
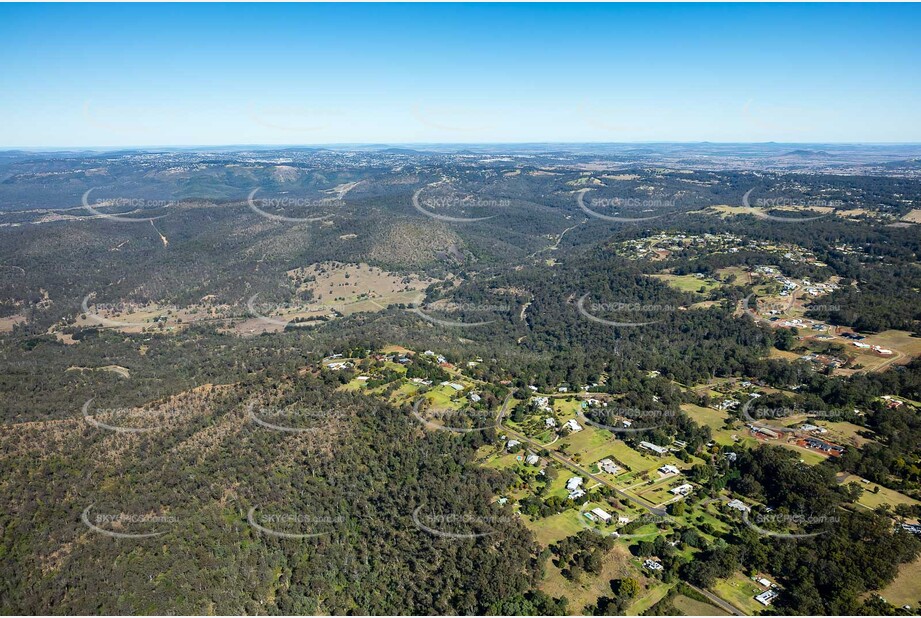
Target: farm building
column 655, row 448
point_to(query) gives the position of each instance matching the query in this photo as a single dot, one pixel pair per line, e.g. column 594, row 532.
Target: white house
column 669, row 469
column 574, row 483
column 601, row 515
column 512, row 444
column 608, row 465
column 572, row 425
column 739, row 506
column 767, row 596
column 652, row 565
column 549, row 422
column 682, row 490
column 532, row 460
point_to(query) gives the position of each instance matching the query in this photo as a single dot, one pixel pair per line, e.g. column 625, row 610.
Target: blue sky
column 180, row 74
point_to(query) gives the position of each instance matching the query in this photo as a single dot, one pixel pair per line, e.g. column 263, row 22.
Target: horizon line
column 416, row 144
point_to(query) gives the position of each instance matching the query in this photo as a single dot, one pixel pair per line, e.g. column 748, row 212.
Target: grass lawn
column 396, row 349
column 407, row 392
column 549, row 530
column 705, row 304
column 644, row 533
column 660, row 493
column 714, row 419
column 357, row 305
column 842, row 432
column 565, row 410
column 783, row 354
column 501, row 462
column 742, row 275
column 905, row 589
column 691, row 607
column 872, row 500
column 588, row 589
column 650, row 597
column 914, row 216
column 533, row 426
column 558, row 485
column 897, row 340
column 658, row 497
column 698, row 515
column 586, row 446
column 901, row 342
column 353, row 385
column 440, row 397
column 638, row 462
column 392, row 366
column 687, row 283
column 809, row 457
column 740, row 591
column 723, row 437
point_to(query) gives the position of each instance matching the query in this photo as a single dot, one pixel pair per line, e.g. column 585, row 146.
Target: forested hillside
column 405, row 382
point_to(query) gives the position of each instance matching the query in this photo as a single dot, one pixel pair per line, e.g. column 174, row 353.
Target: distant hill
column 809, row 154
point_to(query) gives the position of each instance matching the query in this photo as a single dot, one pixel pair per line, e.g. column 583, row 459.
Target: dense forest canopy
column 207, row 328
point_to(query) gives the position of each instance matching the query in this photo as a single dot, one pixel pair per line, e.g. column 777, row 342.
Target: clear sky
column 139, row 75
